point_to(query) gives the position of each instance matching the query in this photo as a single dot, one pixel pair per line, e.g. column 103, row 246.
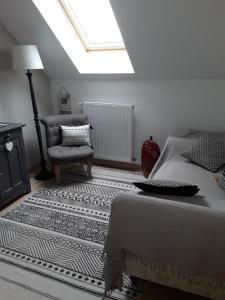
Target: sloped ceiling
column 164, row 38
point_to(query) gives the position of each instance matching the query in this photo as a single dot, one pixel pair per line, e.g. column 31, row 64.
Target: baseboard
column 98, row 162
column 36, row 167
column 117, row 164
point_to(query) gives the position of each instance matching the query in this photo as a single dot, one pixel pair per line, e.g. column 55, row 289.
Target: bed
column 172, row 240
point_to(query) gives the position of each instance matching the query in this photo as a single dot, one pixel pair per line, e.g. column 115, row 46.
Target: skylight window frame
column 82, row 35
column 86, row 62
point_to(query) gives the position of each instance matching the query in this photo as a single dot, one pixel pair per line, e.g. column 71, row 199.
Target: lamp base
column 44, row 174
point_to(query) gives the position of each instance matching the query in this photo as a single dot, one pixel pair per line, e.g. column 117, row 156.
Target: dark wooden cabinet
column 14, row 177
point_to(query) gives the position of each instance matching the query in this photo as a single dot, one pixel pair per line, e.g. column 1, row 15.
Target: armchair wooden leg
column 57, row 172
column 89, row 166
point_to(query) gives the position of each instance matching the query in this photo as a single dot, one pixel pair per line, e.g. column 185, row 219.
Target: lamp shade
column 26, row 57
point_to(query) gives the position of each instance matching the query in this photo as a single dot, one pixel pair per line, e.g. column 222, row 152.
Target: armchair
column 59, row 154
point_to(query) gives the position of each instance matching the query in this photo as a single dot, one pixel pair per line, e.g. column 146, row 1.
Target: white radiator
column 112, row 134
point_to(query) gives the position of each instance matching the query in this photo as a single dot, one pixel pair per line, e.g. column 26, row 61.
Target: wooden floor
column 35, row 186
column 151, row 291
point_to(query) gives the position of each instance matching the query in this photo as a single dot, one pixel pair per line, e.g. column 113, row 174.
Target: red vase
column 149, row 155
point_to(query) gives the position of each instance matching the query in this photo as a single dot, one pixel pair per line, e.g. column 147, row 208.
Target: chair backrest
column 52, row 126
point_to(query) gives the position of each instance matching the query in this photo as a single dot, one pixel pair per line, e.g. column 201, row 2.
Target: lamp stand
column 43, row 174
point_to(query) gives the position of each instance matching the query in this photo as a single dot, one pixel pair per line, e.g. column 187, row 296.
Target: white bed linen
column 186, row 233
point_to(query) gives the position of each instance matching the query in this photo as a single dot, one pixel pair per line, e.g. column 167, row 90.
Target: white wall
column 15, row 102
column 160, row 106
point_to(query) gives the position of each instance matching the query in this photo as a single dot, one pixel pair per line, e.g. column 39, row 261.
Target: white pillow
column 75, row 135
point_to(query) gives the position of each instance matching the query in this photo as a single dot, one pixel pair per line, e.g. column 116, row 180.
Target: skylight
column 95, row 23
column 89, row 33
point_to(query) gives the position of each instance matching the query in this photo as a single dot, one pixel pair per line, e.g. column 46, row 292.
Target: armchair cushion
column 66, row 154
column 75, row 135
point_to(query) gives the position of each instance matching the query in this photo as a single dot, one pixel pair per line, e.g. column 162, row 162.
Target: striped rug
column 54, row 241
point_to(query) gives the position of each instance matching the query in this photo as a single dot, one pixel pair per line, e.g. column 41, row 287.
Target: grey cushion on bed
column 221, row 182
column 167, row 187
column 208, row 151
column 69, row 153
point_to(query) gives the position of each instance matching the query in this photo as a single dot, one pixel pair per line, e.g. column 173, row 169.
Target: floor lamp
column 26, row 57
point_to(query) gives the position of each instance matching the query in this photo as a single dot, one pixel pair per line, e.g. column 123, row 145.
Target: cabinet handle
column 9, row 146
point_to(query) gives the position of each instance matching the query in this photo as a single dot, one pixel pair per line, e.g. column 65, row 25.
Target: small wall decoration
column 64, row 101
column 149, row 155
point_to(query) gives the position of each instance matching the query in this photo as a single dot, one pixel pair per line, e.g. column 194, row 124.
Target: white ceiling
column 164, row 38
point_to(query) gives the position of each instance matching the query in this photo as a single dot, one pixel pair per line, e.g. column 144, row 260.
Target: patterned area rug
column 60, row 231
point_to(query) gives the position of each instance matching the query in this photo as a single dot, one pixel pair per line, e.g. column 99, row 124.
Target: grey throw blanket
column 169, row 231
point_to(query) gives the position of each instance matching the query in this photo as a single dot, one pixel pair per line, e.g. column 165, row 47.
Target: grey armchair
column 60, row 155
